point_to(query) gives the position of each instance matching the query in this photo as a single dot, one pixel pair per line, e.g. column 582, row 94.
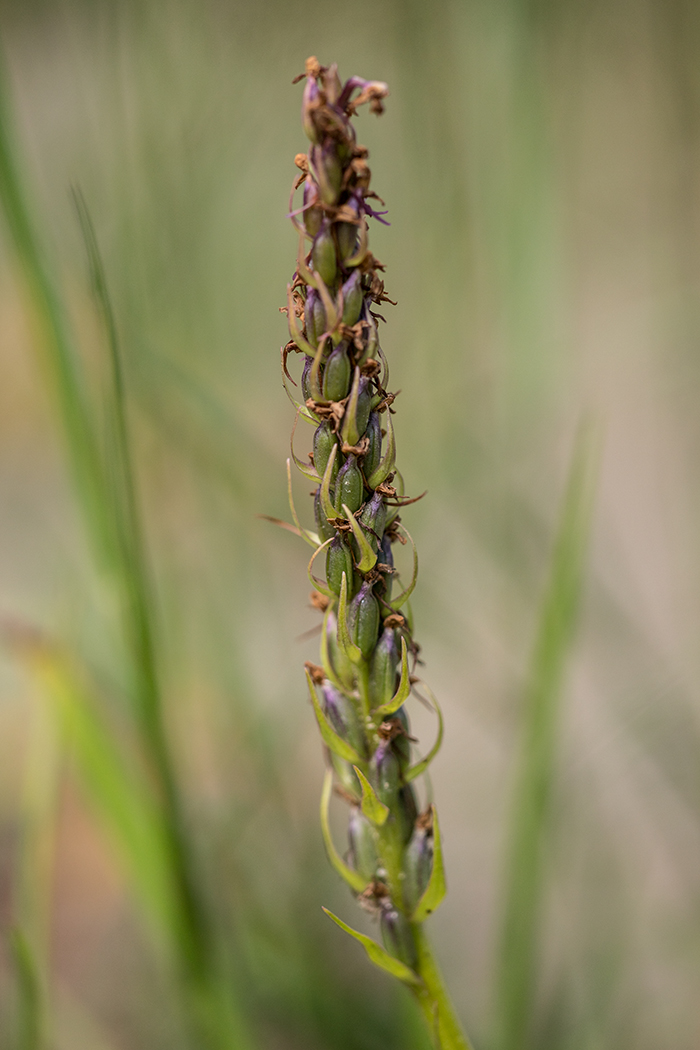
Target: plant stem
column 434, row 1001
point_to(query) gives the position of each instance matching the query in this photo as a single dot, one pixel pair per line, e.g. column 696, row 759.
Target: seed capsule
column 401, row 742
column 323, row 256
column 339, row 661
column 315, row 317
column 328, row 170
column 336, row 375
column 398, row 936
column 363, row 619
column 352, row 298
column 324, row 440
column 338, row 561
column 382, row 670
column 417, row 865
column 372, row 456
column 407, row 811
column 306, row 379
column 386, row 557
column 386, row 775
column 373, row 518
column 343, row 716
column 346, row 233
column 313, row 214
column 363, row 850
column 325, row 529
column 357, row 410
column 349, row 486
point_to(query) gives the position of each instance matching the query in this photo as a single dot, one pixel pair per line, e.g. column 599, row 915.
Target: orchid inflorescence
column 368, row 653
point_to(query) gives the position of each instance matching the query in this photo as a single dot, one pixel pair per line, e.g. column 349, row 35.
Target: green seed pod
column 363, row 849
column 417, row 864
column 349, row 486
column 323, row 257
column 346, row 232
column 383, row 668
column 324, row 440
column 401, row 742
column 398, row 936
column 338, row 561
column 363, row 618
column 343, row 716
column 386, row 775
column 336, row 374
column 314, row 317
column 346, row 774
column 325, row 530
column 407, row 812
column 313, row 214
column 371, row 458
column 357, row 410
column 386, row 557
column 328, row 170
column 352, row 298
column 373, row 518
column 306, row 379
column 339, row 662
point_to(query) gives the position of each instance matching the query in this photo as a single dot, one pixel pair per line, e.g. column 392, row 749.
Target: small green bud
column 363, row 850
column 383, row 668
column 339, row 662
column 363, row 617
column 324, row 440
column 349, row 486
column 338, row 561
column 398, row 936
column 352, row 298
column 371, row 458
column 325, row 530
column 336, row 374
column 323, row 257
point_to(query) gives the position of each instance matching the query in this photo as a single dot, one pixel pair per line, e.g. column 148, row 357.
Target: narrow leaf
column 345, row 642
column 372, row 807
column 401, row 694
column 352, row 877
column 386, row 463
column 326, row 502
column 420, row 767
column 368, row 559
column 378, row 955
column 315, row 582
column 302, row 531
column 402, row 598
column 436, row 889
column 330, row 737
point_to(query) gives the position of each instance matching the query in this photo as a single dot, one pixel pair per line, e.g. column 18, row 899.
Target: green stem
column 434, row 999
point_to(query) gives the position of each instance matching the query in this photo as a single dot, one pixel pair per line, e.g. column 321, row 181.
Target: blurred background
column 540, row 160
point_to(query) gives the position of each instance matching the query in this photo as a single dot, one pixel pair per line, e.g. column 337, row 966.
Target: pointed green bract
column 403, row 690
column 437, row 887
column 375, row 810
column 353, row 878
column 330, row 738
column 378, row 955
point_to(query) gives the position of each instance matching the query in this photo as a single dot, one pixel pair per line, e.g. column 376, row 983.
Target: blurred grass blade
column 59, row 357
column 524, row 875
column 29, row 1013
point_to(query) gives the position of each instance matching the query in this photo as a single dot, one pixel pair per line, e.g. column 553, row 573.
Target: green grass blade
column 524, row 879
column 30, row 1008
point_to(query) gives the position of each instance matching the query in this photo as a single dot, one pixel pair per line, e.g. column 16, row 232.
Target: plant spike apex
column 395, row 860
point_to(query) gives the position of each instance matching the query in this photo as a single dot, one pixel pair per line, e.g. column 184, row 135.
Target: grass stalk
column 525, row 871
